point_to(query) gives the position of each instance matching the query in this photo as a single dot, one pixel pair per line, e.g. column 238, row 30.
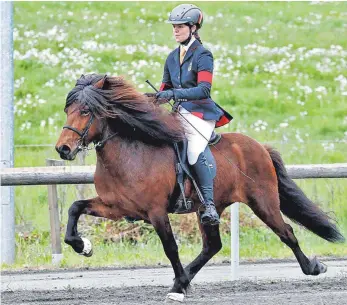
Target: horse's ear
column 100, row 84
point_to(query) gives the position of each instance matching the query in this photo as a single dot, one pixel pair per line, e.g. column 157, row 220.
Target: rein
column 84, row 133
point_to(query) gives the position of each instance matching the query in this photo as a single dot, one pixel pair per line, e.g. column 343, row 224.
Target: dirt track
column 329, row 291
column 272, row 284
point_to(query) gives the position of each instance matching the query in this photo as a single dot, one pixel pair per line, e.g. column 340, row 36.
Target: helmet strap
column 186, row 42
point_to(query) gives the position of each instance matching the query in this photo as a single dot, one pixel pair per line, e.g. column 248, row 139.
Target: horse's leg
column 267, row 208
column 211, row 246
column 94, row 207
column 161, row 223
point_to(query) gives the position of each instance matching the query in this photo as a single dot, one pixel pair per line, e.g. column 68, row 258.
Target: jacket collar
column 192, row 40
column 190, row 51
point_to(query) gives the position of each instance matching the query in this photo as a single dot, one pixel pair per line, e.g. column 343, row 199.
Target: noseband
column 84, row 133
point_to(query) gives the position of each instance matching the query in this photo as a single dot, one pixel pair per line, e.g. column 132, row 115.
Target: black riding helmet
column 189, row 14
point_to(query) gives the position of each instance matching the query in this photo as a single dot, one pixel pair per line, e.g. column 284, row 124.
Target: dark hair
column 197, row 37
column 196, row 34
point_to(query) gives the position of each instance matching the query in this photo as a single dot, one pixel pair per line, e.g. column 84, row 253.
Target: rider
column 187, row 79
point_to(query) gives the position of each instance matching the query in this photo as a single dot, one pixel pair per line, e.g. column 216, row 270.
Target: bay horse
column 135, row 174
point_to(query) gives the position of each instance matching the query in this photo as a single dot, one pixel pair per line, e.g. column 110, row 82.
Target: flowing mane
column 130, row 113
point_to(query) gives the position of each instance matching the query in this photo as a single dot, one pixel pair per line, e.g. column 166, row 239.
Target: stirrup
column 183, row 205
column 212, row 221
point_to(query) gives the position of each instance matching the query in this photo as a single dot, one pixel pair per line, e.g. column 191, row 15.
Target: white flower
column 50, row 121
column 321, row 89
column 259, row 125
column 284, row 125
column 328, row 146
column 248, row 19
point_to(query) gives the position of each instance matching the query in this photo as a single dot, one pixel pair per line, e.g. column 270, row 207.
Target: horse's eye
column 85, row 112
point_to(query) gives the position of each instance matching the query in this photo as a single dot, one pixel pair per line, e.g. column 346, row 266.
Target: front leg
column 94, row 207
column 161, row 223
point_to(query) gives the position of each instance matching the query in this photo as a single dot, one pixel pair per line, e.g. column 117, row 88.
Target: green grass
column 278, row 62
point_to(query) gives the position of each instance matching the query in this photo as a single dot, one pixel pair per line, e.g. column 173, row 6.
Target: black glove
column 167, row 95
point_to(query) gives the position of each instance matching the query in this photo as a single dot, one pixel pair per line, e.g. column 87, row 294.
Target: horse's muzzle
column 65, row 152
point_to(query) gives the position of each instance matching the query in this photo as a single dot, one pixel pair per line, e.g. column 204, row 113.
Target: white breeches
column 196, row 143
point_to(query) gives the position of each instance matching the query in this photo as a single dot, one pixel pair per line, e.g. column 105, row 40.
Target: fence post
column 234, row 245
column 54, row 216
column 81, row 157
column 7, row 244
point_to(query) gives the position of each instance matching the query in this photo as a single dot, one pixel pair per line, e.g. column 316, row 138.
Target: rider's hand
column 167, row 95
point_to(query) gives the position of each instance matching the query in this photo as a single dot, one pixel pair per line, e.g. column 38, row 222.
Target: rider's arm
column 204, row 80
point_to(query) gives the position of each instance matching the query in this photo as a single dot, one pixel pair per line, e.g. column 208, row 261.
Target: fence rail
column 84, row 174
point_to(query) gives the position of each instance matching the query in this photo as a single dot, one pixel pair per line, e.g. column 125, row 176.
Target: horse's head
column 100, row 107
column 82, row 125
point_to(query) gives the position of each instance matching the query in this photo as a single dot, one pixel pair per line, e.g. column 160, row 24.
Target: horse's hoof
column 319, row 268
column 173, row 297
column 87, row 248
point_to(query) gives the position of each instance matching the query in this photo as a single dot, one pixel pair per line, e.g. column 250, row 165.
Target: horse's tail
column 295, row 204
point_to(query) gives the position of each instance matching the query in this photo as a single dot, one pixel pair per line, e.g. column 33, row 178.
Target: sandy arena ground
column 260, row 283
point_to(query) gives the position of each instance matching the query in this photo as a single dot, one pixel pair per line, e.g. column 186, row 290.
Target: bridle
column 82, row 145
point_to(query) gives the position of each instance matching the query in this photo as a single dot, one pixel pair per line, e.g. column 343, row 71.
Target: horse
column 135, row 175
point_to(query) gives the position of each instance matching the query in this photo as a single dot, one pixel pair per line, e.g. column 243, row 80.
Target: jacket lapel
column 190, row 51
column 176, row 57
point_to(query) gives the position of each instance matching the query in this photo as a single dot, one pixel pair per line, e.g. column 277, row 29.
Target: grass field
column 280, row 69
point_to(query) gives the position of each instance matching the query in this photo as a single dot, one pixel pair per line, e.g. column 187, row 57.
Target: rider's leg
column 201, row 160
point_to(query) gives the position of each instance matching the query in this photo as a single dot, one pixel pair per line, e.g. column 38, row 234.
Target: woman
column 187, row 79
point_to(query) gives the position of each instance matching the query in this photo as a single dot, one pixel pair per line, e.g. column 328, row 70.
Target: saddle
column 180, row 204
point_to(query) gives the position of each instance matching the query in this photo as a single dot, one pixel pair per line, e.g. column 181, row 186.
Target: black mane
column 130, row 113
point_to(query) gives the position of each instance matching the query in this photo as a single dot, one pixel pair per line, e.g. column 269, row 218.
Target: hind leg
column 211, row 245
column 268, row 210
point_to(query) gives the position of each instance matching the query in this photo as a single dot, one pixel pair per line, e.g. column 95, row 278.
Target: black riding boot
column 205, row 171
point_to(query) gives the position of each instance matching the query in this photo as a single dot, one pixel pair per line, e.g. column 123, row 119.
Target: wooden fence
column 84, row 174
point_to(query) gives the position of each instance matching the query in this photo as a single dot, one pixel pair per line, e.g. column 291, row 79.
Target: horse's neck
column 121, row 157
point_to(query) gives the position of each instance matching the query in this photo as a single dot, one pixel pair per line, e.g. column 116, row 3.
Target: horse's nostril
column 64, row 149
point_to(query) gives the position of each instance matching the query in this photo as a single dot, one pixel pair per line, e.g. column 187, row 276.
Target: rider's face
column 181, row 32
